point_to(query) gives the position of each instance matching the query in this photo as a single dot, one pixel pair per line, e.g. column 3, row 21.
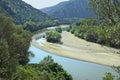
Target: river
column 78, row 69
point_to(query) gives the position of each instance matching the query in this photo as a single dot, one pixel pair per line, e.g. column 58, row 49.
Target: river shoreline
column 82, row 53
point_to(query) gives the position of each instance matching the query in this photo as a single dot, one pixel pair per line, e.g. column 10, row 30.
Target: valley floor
column 80, row 49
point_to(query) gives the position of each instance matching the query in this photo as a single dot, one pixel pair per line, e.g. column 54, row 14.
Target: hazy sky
column 43, row 3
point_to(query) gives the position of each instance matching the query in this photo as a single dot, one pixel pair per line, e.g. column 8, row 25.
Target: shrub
column 59, row 29
column 53, row 36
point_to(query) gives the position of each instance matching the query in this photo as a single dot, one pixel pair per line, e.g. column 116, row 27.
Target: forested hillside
column 71, row 9
column 23, row 12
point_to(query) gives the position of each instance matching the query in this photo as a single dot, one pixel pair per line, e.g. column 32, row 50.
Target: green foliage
column 6, row 61
column 67, row 29
column 106, row 35
column 22, row 13
column 73, row 29
column 33, row 27
column 4, row 12
column 87, row 21
column 107, row 11
column 22, row 41
column 30, row 26
column 26, row 73
column 53, row 36
column 14, row 56
column 50, row 66
column 70, row 11
column 108, row 76
column 14, row 45
column 58, row 29
column 47, row 69
column 54, row 69
column 7, row 57
column 106, row 29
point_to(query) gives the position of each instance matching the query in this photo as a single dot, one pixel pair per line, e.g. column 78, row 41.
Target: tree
column 47, row 69
column 53, row 36
column 88, row 22
column 108, row 76
column 58, row 29
column 67, row 29
column 14, row 45
column 107, row 11
column 30, row 26
column 26, row 73
column 56, row 70
column 22, row 40
column 7, row 61
column 7, row 57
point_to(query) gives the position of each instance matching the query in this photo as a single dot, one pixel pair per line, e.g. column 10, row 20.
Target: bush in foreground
column 47, row 69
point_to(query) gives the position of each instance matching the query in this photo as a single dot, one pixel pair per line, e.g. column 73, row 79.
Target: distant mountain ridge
column 22, row 12
column 70, row 9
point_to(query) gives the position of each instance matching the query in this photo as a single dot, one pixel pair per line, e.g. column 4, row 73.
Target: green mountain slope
column 22, row 12
column 70, row 9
